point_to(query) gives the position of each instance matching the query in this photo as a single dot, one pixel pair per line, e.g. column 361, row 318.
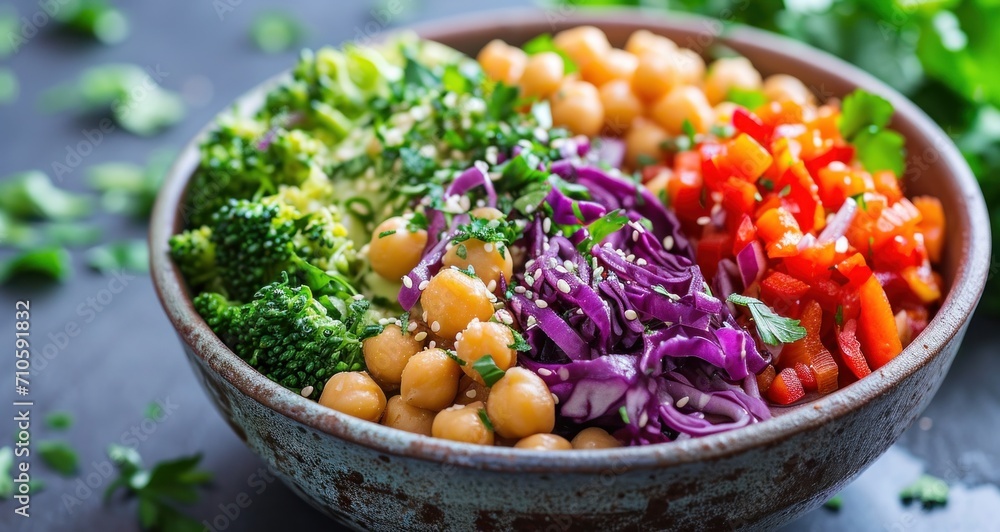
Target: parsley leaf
column 544, row 43
column 600, row 228
column 59, row 456
column 749, row 98
column 130, row 255
column 485, row 419
column 835, row 503
column 499, row 232
column 454, row 356
column 863, row 120
column 51, row 263
column 520, row 344
column 384, row 234
column 276, row 31
column 59, row 420
column 862, row 110
column 159, row 489
column 488, row 369
column 624, row 414
column 772, row 328
column 927, row 489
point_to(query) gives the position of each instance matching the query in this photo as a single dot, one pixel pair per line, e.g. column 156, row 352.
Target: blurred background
column 97, row 95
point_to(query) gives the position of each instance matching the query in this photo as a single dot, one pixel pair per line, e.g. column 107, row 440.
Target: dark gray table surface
column 126, row 355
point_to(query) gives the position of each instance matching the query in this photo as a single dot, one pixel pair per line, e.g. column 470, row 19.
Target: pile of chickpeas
column 643, row 93
column 426, row 370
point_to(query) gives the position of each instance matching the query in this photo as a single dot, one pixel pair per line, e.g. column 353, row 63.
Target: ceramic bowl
column 371, row 477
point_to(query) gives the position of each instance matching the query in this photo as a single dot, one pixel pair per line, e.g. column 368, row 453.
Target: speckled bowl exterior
column 371, row 477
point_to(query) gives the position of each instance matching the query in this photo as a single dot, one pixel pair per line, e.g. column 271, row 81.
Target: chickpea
column 644, row 141
column 430, row 380
column 727, row 74
column 655, row 75
column 621, row 105
column 462, row 423
column 683, row 103
column 487, row 213
column 615, row 64
column 658, row 184
column 488, row 260
column 520, row 405
column 386, row 354
column 354, row 393
column 781, row 87
column 502, row 62
column 402, row 416
column 595, row 438
column 583, row 44
column 544, row 442
column 470, row 391
column 690, row 67
column 542, row 75
column 393, row 255
column 577, row 106
column 643, row 41
column 485, row 338
column 452, row 300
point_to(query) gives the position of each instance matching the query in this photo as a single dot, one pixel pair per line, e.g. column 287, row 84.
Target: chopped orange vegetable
column 877, row 325
column 931, row 225
column 786, row 388
column 780, row 231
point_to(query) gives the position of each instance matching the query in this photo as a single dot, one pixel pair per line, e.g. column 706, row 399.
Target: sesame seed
column 307, row 391
column 492, row 286
column 568, row 264
column 630, row 315
column 488, row 247
column 412, row 326
column 555, row 398
column 703, row 220
column 424, row 316
column 683, row 401
column 529, row 209
column 547, row 225
column 471, row 393
column 435, row 326
column 564, row 374
column 530, row 280
column 423, row 285
column 420, row 336
column 643, row 419
column 407, row 282
column 544, row 372
column 532, row 321
column 540, row 303
column 668, row 242
column 563, row 286
column 841, row 245
column 432, row 344
column 529, row 264
column 520, row 289
column 635, row 236
column 640, row 261
column 560, row 269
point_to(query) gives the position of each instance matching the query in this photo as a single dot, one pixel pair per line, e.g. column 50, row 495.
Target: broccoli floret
column 289, row 336
column 249, row 243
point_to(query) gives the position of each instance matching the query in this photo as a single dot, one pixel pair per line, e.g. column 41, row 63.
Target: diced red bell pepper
column 744, row 158
column 806, row 377
column 780, row 232
column 877, row 330
column 800, row 195
column 711, row 249
column 685, row 189
column 854, row 269
column 812, row 263
column 899, row 219
column 746, row 122
column 838, row 156
column 780, row 288
column 786, row 388
column 826, row 292
column 780, row 112
column 850, row 349
column 744, row 234
column 922, row 282
column 804, row 349
column 765, row 378
column 837, row 182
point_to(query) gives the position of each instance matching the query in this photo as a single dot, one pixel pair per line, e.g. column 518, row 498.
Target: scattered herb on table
column 50, row 263
column 929, row 490
column 59, row 420
column 59, row 456
column 276, row 31
column 129, row 255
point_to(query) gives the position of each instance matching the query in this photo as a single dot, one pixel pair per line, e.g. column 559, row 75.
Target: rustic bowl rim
column 955, row 312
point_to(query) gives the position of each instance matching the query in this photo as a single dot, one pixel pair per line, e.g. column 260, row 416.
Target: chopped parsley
column 624, row 414
column 384, row 234
column 59, row 456
column 488, row 370
column 485, row 419
column 929, row 490
column 520, row 344
column 835, row 503
column 863, row 120
column 600, row 228
column 454, row 356
column 772, row 328
column 59, row 420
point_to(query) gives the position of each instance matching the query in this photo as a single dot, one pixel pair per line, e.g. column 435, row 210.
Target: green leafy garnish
column 499, row 232
column 623, row 412
column 520, row 344
column 929, row 490
column 839, row 316
column 786, row 190
column 6, row 482
column 160, row 489
column 600, row 228
column 129, row 255
column 772, row 328
column 384, row 234
column 276, row 31
column 48, row 263
column 95, row 19
column 462, row 252
column 153, row 411
column 749, row 98
column 454, row 356
column 71, row 234
column 689, row 132
column 502, row 102
column 488, row 369
column 863, row 120
column 59, row 420
column 835, row 503
column 9, row 86
column 485, row 419
column 544, row 43
column 404, row 323
column 59, row 456
column 32, row 194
